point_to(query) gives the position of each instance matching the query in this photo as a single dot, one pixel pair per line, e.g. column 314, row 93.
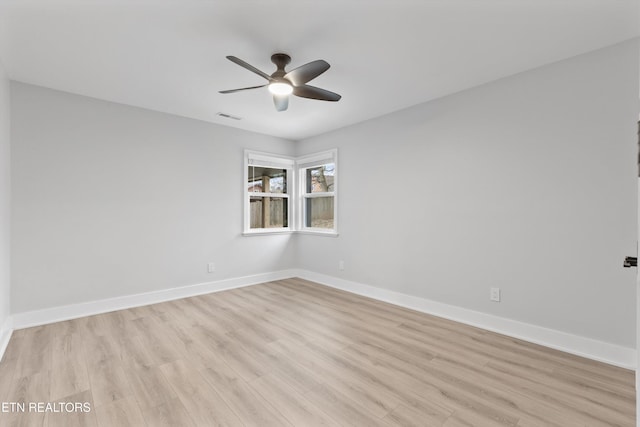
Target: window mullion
column 258, row 194
column 312, row 195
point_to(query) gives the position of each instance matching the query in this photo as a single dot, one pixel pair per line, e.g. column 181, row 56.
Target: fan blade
column 281, row 102
column 307, row 72
column 312, row 92
column 249, row 67
column 238, row 90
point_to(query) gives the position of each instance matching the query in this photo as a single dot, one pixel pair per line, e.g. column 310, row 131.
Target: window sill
column 318, row 233
column 310, row 232
column 266, row 232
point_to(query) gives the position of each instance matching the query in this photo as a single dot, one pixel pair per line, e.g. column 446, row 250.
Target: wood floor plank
column 35, row 351
column 552, row 385
column 72, row 415
column 349, row 412
column 201, row 353
column 297, row 409
column 586, row 408
column 203, row 403
column 409, row 416
column 485, row 401
column 109, row 382
column 590, row 380
column 529, row 408
column 284, row 367
column 247, row 403
column 69, row 373
column 171, row 413
column 7, row 374
column 350, row 381
column 98, row 347
column 124, row 412
column 468, row 418
column 450, row 395
column 292, row 352
column 149, row 386
column 33, row 388
column 247, row 365
column 129, row 349
column 156, row 337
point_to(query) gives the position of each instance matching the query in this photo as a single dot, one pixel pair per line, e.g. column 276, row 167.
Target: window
column 283, row 194
column 267, row 193
column 318, row 185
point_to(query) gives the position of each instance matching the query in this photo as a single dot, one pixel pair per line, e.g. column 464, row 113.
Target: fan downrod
column 281, row 60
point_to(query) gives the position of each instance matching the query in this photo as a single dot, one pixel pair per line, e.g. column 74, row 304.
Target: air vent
column 228, row 116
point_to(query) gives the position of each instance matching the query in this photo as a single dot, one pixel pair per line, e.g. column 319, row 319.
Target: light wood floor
column 294, row 353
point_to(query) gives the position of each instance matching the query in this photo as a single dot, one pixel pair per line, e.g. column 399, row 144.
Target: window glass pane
column 267, row 180
column 319, row 212
column 255, row 186
column 319, row 179
column 268, row 212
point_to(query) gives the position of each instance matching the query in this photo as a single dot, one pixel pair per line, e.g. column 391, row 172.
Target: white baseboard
column 73, row 311
column 612, row 354
column 593, row 349
column 5, row 335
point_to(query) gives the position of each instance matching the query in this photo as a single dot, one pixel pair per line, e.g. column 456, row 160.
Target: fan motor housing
column 281, row 60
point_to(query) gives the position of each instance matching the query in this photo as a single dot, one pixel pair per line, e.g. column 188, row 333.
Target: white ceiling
column 385, row 55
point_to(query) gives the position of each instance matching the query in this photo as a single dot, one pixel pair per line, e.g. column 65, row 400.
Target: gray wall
column 5, row 198
column 111, row 200
column 527, row 184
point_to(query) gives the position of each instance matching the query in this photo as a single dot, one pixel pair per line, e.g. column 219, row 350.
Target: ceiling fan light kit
column 282, row 83
column 280, row 88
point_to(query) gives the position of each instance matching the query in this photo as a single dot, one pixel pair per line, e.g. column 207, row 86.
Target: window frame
column 274, row 161
column 307, row 162
column 296, row 190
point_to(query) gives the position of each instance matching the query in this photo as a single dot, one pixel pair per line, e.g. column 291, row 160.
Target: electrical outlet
column 495, row 294
column 340, row 265
column 211, row 267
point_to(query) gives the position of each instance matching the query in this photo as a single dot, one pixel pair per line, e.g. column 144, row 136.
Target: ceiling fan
column 282, row 83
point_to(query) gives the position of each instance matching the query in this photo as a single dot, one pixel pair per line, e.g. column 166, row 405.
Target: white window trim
column 303, row 163
column 295, row 187
column 257, row 158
